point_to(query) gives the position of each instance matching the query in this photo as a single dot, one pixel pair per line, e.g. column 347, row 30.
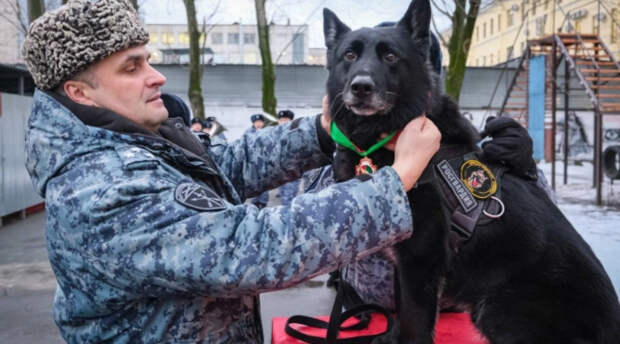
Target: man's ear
column 333, row 28
column 417, row 21
column 79, row 92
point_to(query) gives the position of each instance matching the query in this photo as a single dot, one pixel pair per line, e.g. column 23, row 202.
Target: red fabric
column 452, row 328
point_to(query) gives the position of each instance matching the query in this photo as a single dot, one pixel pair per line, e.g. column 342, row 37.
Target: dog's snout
column 362, row 86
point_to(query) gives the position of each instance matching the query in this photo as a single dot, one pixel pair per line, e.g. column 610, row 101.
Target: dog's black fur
column 527, row 277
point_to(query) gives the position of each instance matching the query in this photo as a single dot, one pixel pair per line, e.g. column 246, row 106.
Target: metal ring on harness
column 501, row 212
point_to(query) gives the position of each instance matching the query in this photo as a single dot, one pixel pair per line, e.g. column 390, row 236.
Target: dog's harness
column 469, row 188
column 471, row 192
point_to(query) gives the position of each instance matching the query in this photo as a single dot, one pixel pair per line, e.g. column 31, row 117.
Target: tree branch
column 444, row 12
column 441, row 38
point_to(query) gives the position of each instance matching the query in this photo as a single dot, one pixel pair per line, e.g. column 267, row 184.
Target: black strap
column 336, row 319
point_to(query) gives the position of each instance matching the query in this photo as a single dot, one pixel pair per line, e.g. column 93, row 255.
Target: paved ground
column 27, row 283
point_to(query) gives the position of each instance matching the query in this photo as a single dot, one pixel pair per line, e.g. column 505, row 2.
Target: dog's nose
column 362, row 86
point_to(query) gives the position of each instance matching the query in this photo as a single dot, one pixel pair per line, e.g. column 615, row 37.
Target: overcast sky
column 354, row 13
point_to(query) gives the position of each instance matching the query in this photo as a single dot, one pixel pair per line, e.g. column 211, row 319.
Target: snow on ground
column 598, row 225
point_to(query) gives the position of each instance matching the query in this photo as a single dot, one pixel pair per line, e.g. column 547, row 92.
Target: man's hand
column 511, row 145
column 326, row 119
column 415, row 147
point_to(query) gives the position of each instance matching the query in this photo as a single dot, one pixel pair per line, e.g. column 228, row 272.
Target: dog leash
column 336, row 319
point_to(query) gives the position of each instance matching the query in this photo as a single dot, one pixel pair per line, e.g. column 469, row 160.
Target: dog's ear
column 333, row 28
column 417, row 21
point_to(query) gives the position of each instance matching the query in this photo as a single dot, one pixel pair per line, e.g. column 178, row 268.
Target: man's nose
column 155, row 78
column 362, row 86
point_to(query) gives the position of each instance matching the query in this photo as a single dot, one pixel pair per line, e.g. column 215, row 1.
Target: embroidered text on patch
column 198, row 197
column 460, row 191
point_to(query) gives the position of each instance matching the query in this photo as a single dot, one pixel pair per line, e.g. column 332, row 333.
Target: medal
column 365, row 167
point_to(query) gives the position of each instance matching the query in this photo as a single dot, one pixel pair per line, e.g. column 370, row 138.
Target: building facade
column 229, row 44
column 504, row 27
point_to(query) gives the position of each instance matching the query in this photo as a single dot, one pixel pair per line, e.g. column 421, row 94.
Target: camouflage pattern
column 134, row 265
column 288, row 191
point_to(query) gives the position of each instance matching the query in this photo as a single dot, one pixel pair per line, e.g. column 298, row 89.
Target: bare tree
column 12, row 12
column 269, row 101
column 35, row 9
column 463, row 16
column 195, row 69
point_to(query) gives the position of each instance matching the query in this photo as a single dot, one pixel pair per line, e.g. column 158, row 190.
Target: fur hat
column 286, row 114
column 257, row 117
column 64, row 42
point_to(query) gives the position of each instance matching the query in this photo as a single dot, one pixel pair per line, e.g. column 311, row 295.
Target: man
column 176, row 107
column 288, row 191
column 285, row 116
column 147, row 232
column 197, row 125
column 258, row 122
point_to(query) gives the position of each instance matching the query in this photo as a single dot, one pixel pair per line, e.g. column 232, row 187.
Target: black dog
column 526, row 276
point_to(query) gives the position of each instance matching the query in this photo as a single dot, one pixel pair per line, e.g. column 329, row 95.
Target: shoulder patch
column 198, row 197
column 478, row 179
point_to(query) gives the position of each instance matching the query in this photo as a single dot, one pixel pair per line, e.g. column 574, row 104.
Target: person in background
column 197, row 125
column 176, row 107
column 258, row 123
column 288, row 191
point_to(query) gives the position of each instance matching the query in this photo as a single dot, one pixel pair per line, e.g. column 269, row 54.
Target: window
column 477, row 61
column 233, row 38
column 167, row 38
column 184, row 38
column 509, row 52
column 153, row 38
column 484, row 30
column 250, row 58
column 540, row 25
column 523, row 11
column 509, row 18
column 477, row 34
column 522, row 47
column 298, row 48
column 249, row 38
column 534, row 7
column 217, row 38
column 491, row 27
column 491, row 59
column 484, row 60
column 499, row 23
column 546, row 3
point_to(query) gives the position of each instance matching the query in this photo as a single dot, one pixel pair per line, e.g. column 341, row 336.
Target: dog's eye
column 350, row 56
column 390, row 58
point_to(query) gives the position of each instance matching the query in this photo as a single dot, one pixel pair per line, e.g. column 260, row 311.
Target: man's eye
column 350, row 56
column 390, row 57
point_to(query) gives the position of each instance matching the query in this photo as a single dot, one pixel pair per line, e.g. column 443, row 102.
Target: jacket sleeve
column 270, row 157
column 143, row 240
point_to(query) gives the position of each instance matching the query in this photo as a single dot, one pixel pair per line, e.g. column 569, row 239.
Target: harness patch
column 198, row 197
column 478, row 179
column 467, row 201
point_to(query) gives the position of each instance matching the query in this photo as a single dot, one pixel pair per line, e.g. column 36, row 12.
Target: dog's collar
column 340, row 138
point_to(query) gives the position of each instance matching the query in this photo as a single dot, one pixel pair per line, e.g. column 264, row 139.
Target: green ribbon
column 340, row 138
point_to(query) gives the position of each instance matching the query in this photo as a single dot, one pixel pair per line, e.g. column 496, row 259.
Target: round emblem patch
column 478, row 179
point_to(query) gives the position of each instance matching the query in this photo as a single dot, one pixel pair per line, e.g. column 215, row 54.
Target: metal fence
column 16, row 191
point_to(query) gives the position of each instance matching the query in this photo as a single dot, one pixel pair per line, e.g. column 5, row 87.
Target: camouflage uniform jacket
column 152, row 244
